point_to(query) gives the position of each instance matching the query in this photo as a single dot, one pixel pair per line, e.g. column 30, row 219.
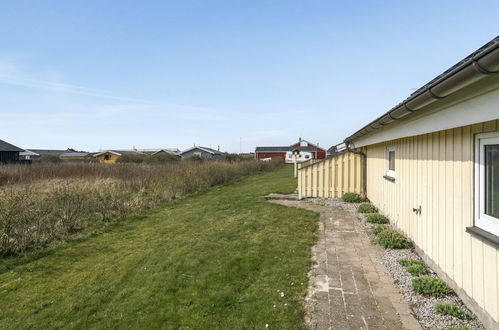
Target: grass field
column 218, row 259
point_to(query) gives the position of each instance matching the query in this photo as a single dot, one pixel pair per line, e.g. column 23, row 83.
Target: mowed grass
column 214, row 260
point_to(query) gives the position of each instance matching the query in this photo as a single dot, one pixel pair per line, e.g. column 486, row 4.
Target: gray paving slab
column 349, row 287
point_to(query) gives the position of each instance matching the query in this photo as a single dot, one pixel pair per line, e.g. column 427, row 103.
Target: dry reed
column 43, row 203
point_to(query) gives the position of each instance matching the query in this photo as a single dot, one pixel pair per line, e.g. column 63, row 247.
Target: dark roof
column 216, row 152
column 28, row 153
column 303, row 140
column 128, row 152
column 209, row 150
column 5, row 146
column 74, row 154
column 43, row 152
column 120, row 152
column 168, row 152
column 283, row 149
column 482, row 62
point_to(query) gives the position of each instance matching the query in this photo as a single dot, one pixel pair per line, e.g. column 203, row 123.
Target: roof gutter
column 484, row 62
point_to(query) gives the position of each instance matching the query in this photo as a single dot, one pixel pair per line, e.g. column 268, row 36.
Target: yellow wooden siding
column 332, row 177
column 436, row 171
column 112, row 160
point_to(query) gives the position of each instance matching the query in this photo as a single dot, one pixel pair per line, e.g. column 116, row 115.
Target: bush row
column 34, row 215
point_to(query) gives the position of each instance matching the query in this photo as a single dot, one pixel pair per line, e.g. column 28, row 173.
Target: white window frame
column 390, row 173
column 482, row 220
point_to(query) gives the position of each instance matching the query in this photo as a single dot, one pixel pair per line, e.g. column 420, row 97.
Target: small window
column 487, row 182
column 107, row 157
column 307, row 156
column 390, row 157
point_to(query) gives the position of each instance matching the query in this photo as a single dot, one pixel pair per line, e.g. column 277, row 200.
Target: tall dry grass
column 43, row 203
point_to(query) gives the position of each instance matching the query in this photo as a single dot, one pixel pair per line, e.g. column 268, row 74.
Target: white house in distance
column 307, row 151
column 431, row 164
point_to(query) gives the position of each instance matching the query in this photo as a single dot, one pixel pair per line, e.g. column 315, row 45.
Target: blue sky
column 116, row 74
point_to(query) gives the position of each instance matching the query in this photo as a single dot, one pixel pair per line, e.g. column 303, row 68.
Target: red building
column 307, row 151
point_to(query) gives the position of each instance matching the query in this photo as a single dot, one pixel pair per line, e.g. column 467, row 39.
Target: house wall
column 204, row 154
column 262, row 155
column 9, row 156
column 321, row 153
column 435, row 171
column 112, row 160
column 304, row 156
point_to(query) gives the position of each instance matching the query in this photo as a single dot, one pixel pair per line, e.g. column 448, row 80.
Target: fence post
column 300, row 182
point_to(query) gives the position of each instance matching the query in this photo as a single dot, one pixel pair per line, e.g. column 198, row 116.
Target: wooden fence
column 331, row 177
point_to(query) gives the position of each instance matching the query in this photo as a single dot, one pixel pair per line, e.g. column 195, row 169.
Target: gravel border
column 422, row 306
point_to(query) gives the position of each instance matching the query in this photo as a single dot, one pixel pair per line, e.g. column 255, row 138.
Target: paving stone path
column 349, row 287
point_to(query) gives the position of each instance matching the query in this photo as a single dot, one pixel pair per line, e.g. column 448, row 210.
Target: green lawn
column 215, row 260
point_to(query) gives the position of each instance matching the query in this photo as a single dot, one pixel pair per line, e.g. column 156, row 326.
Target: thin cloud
column 80, row 90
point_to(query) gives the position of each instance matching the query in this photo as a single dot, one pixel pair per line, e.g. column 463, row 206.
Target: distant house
column 203, row 152
column 170, row 151
column 76, row 156
column 45, row 152
column 307, row 151
column 111, row 156
column 166, row 152
column 27, row 156
column 9, row 153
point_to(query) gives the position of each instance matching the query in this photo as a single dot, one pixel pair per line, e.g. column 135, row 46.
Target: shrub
column 43, row 203
column 235, row 157
column 378, row 229
column 352, row 198
column 130, row 158
column 417, row 269
column 67, row 204
column 450, row 309
column 23, row 222
column 49, row 159
column 160, row 158
column 392, row 239
column 194, row 158
column 377, row 218
column 460, row 328
column 431, row 286
column 367, row 208
column 407, row 262
column 413, row 266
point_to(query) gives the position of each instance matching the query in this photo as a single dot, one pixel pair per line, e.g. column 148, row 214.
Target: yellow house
column 431, row 164
column 111, row 156
column 107, row 157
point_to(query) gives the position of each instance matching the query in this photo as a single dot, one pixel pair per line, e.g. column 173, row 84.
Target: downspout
column 363, row 157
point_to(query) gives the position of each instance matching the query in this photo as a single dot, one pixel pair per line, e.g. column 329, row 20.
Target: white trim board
column 478, row 109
